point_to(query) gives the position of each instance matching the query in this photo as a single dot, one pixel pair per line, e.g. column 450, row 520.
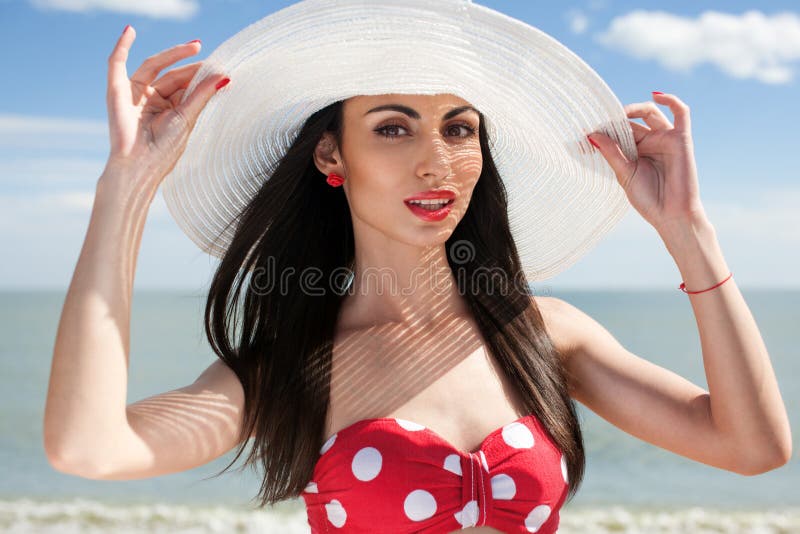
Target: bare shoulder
column 560, row 321
column 572, row 330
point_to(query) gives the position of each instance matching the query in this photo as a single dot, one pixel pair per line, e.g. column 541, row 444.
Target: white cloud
column 159, row 9
column 44, row 210
column 17, row 210
column 53, row 133
column 749, row 45
column 77, row 202
column 50, row 173
column 769, row 216
column 578, row 21
column 11, row 123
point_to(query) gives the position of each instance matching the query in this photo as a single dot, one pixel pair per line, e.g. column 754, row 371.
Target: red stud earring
column 334, row 180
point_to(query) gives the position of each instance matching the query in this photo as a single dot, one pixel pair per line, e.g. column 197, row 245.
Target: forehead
column 425, row 104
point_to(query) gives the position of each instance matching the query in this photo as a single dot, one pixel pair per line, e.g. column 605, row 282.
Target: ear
column 326, row 155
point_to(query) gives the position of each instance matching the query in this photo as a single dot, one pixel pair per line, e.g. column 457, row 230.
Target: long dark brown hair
column 279, row 343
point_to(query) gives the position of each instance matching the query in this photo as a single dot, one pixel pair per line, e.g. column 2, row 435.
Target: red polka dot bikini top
column 393, row 475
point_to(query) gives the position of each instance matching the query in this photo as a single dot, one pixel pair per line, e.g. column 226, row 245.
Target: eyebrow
column 413, row 113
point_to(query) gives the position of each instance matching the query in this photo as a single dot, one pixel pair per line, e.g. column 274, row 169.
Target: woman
column 444, row 401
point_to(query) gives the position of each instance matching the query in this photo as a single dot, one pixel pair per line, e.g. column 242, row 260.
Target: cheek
column 470, row 165
column 372, row 168
column 470, row 174
column 375, row 196
column 376, row 176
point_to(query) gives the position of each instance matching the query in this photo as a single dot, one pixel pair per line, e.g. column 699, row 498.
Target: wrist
column 120, row 185
column 697, row 253
column 683, row 236
column 115, row 197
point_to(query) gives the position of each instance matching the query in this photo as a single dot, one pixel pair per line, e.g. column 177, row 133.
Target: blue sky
column 734, row 63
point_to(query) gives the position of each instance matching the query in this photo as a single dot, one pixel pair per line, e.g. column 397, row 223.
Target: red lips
column 433, row 194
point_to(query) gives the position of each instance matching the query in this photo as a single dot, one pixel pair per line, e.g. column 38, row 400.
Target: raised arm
column 85, row 417
column 743, row 410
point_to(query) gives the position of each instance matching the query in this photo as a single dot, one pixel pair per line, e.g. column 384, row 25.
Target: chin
column 428, row 237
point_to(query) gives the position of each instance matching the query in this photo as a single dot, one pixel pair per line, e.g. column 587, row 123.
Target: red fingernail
column 657, row 93
column 126, row 29
column 222, row 83
column 194, row 41
column 592, row 141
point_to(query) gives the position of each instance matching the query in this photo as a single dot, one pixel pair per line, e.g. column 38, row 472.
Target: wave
column 82, row 516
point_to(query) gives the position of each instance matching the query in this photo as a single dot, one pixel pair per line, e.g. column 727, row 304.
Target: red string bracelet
column 682, row 287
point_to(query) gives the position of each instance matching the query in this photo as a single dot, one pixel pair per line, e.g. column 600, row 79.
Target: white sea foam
column 91, row 517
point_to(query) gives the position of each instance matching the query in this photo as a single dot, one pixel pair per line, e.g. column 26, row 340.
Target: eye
column 470, row 130
column 384, row 130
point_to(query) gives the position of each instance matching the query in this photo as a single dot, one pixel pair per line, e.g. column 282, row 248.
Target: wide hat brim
column 539, row 101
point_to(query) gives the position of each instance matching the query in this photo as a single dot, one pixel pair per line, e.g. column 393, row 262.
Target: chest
column 444, row 379
column 425, row 431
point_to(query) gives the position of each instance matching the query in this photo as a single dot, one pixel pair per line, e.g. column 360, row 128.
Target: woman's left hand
column 662, row 184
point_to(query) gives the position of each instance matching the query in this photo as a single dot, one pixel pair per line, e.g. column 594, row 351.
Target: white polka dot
column 419, row 505
column 409, row 425
column 311, row 487
column 367, row 463
column 468, row 516
column 537, row 517
column 483, row 461
column 453, row 464
column 564, row 469
column 328, row 444
column 336, row 513
column 518, row 435
column 503, row 487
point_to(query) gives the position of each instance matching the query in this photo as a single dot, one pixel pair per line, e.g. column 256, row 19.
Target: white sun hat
column 539, row 100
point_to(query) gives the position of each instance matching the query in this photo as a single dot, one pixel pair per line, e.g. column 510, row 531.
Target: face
column 391, row 154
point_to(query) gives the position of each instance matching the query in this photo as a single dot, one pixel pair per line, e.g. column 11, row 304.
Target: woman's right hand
column 148, row 126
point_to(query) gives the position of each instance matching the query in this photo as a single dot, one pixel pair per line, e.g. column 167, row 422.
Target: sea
column 630, row 486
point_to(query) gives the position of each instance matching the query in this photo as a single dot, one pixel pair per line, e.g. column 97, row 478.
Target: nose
column 434, row 162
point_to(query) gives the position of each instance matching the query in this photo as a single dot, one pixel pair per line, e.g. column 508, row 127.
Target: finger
column 622, row 167
column 117, row 73
column 175, row 98
column 650, row 113
column 679, row 110
column 191, row 108
column 639, row 131
column 175, row 79
column 150, row 67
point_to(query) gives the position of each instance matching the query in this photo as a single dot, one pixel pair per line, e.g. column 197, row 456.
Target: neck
column 406, row 285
